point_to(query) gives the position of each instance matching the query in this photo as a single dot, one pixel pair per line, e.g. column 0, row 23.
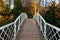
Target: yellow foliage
column 1, row 9
column 2, row 18
column 1, row 6
column 33, row 7
column 11, row 17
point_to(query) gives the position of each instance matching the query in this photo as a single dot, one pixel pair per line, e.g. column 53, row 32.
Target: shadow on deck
column 30, row 31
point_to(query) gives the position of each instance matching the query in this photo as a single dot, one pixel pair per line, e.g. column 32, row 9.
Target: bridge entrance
column 30, row 31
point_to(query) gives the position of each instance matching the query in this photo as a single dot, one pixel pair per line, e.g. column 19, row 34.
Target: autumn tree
column 1, row 7
column 32, row 7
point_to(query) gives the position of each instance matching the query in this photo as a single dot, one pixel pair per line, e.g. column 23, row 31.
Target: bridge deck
column 30, row 31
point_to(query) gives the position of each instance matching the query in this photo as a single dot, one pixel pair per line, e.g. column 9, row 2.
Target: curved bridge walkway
column 30, row 31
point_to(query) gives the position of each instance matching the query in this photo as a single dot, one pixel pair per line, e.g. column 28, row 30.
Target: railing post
column 19, row 25
column 40, row 23
column 45, row 30
column 14, row 31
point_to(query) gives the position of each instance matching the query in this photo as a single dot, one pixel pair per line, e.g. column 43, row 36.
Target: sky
column 43, row 3
column 12, row 4
column 53, row 0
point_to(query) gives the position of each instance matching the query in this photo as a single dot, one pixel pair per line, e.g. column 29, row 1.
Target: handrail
column 9, row 31
column 50, row 24
column 50, row 32
column 2, row 27
column 53, row 26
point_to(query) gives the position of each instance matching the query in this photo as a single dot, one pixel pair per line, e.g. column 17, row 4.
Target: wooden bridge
column 30, row 31
column 24, row 28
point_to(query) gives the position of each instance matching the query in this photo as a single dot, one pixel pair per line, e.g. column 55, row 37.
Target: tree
column 51, row 14
column 1, row 7
column 17, row 7
column 32, row 7
column 6, row 15
column 8, row 10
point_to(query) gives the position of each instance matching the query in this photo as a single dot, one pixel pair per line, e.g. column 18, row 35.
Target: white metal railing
column 49, row 31
column 9, row 31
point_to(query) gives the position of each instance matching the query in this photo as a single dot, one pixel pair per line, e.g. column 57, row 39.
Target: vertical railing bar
column 41, row 25
column 45, row 30
column 14, row 31
column 19, row 25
